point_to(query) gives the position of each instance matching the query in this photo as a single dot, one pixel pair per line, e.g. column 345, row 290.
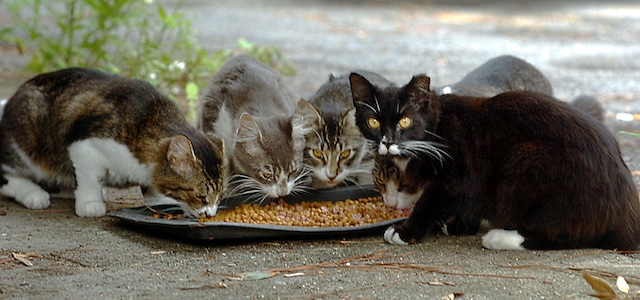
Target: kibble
column 345, row 213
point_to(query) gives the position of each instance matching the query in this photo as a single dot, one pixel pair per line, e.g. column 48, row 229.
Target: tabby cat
column 80, row 129
column 542, row 173
column 247, row 104
column 336, row 152
column 497, row 75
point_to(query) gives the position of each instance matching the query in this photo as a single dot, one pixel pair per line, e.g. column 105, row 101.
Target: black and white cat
column 247, row 104
column 82, row 129
column 496, row 75
column 544, row 174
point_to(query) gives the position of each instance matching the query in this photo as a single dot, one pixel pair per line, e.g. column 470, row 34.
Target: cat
column 247, row 105
column 497, row 75
column 83, row 129
column 500, row 74
column 509, row 73
column 336, row 152
column 542, row 173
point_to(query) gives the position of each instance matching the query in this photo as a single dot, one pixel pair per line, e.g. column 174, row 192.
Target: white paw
column 35, row 199
column 91, row 209
column 500, row 239
column 392, row 237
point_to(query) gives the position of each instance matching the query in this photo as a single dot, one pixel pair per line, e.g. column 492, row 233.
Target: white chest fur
column 109, row 161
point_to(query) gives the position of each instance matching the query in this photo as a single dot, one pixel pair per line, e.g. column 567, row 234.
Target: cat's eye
column 373, row 123
column 405, row 122
column 266, row 175
column 317, row 153
column 345, row 154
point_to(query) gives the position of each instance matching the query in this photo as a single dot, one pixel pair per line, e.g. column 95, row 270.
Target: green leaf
column 192, row 91
column 244, row 44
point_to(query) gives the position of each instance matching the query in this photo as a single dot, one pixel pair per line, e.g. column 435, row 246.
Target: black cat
column 544, row 174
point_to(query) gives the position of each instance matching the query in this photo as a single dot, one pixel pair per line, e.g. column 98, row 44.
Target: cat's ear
column 249, row 135
column 332, row 77
column 298, row 131
column 180, row 155
column 418, row 89
column 362, row 90
column 217, row 142
column 310, row 116
column 349, row 118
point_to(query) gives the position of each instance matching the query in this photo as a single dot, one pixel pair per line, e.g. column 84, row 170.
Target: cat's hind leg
column 501, row 239
column 25, row 192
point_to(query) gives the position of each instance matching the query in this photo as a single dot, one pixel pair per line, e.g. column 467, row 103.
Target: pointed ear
column 362, row 90
column 180, row 155
column 217, row 142
column 418, row 89
column 247, row 129
column 249, row 135
column 298, row 131
column 309, row 115
column 349, row 118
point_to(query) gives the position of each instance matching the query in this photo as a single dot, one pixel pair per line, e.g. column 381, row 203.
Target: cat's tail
column 589, row 105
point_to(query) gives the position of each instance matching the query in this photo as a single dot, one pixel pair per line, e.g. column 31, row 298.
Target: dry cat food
column 311, row 214
column 344, row 213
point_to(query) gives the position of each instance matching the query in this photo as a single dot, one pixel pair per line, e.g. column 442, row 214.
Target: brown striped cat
column 336, row 152
column 82, row 129
column 544, row 174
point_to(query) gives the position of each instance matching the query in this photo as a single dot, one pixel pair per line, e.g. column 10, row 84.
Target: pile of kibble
column 311, row 214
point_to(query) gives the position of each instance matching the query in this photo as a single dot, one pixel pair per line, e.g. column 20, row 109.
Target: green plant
column 133, row 38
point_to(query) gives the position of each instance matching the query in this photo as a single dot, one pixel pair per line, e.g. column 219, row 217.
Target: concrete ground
column 582, row 46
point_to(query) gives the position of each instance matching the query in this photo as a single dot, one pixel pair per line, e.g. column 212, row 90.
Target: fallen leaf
column 605, row 291
column 22, row 258
column 258, row 275
column 451, row 296
column 622, row 285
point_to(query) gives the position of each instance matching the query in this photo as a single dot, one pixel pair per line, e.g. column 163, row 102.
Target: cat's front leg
column 88, row 166
column 25, row 192
column 421, row 220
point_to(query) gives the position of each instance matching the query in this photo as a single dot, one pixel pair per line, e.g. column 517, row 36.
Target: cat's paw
column 35, row 199
column 91, row 209
column 393, row 237
column 500, row 239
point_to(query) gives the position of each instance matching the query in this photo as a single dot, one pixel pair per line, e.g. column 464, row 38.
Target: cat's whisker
column 431, row 149
column 433, row 134
column 367, row 105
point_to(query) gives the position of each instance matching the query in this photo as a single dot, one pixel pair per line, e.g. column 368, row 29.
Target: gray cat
column 509, row 73
column 500, row 74
column 336, row 151
column 248, row 106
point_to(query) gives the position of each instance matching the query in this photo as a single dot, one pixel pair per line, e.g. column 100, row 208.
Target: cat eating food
column 80, row 129
column 247, row 104
column 542, row 173
column 497, row 75
column 335, row 151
